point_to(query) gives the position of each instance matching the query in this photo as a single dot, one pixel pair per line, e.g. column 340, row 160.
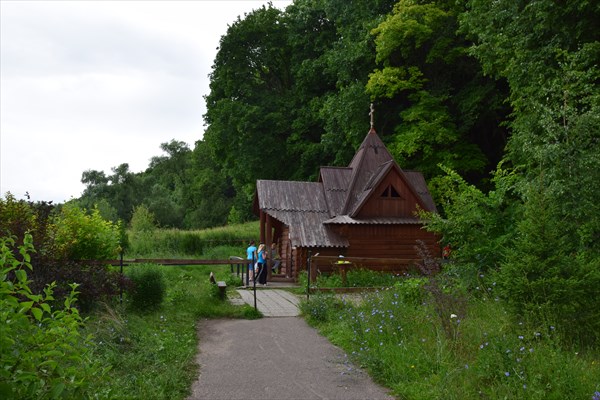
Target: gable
column 372, row 190
column 369, row 158
column 389, row 195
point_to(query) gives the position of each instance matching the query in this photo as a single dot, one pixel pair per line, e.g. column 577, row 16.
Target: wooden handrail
column 165, row 261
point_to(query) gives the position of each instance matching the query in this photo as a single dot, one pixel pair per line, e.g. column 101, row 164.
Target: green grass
column 407, row 339
column 177, row 243
column 482, row 354
column 358, row 277
column 151, row 354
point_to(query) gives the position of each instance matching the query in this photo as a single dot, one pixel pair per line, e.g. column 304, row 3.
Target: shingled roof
column 302, row 207
column 310, row 209
column 370, row 157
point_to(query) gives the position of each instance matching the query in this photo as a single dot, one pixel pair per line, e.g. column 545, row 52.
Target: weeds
column 152, row 354
column 406, row 346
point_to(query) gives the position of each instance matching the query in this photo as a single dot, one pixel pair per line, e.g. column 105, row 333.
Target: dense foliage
column 290, row 91
column 502, row 94
column 64, row 237
column 43, row 354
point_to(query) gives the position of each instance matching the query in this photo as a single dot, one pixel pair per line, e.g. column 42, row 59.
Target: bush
column 42, row 353
column 142, row 220
column 411, row 290
column 83, row 236
column 18, row 217
column 96, row 283
column 61, row 236
column 476, row 224
column 149, row 287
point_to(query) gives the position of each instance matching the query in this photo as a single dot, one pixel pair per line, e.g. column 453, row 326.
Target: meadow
column 427, row 345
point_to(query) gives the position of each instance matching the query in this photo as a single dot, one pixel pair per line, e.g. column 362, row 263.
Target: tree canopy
column 463, row 85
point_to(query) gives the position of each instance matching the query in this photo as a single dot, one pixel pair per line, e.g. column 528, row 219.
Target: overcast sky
column 94, row 84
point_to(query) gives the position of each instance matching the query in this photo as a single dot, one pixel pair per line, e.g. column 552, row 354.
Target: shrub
column 84, row 236
column 411, row 290
column 18, row 217
column 447, row 300
column 61, row 235
column 42, row 353
column 96, row 283
column 476, row 224
column 149, row 287
column 142, row 220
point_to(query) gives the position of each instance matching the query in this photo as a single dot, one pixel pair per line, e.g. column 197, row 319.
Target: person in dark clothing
column 262, row 265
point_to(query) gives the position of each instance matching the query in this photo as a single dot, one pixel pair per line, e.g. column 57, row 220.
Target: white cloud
column 94, row 84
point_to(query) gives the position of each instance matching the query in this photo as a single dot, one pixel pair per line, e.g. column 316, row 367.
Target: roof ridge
column 363, row 154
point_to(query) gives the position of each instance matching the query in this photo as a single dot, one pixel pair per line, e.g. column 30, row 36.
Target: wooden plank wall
column 386, row 248
column 286, row 250
column 389, row 241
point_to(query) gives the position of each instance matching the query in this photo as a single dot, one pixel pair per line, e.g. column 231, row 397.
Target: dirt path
column 275, row 358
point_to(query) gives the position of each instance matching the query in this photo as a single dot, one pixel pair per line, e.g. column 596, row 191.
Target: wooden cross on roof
column 372, row 114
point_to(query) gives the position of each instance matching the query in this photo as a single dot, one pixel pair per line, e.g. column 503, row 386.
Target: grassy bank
column 424, row 350
column 421, row 343
column 151, row 354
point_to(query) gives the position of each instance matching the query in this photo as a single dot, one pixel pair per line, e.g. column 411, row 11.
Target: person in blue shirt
column 252, row 257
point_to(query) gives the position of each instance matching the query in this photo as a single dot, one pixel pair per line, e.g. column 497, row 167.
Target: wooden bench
column 222, row 288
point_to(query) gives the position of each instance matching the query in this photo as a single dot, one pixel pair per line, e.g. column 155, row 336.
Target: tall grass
column 176, row 243
column 151, row 353
column 404, row 344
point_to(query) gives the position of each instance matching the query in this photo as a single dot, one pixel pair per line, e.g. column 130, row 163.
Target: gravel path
column 275, row 358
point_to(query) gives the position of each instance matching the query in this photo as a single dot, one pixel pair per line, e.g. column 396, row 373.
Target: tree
column 168, row 178
column 212, row 189
column 287, row 91
column 117, row 193
column 445, row 110
column 333, row 55
column 548, row 53
column 247, row 108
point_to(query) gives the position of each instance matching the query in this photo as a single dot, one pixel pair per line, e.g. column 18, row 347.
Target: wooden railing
column 168, row 261
column 240, row 263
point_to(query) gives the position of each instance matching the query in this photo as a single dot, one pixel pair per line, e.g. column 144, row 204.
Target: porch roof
column 303, row 208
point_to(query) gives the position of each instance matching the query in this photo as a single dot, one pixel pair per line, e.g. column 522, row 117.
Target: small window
column 391, row 192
